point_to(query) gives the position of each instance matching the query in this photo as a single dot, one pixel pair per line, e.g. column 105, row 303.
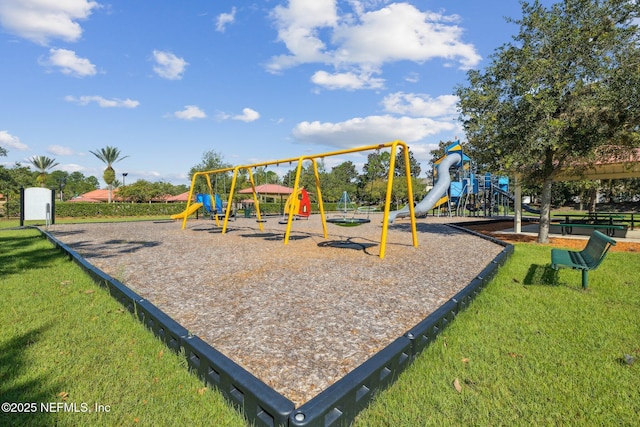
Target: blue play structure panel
column 455, row 190
column 503, row 183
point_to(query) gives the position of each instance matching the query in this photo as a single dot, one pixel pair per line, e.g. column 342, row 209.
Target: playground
column 298, row 316
column 302, row 302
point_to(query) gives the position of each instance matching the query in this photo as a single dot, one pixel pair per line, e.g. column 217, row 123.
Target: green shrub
column 97, row 210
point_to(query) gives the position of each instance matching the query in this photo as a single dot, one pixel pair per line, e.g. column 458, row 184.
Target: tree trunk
column 545, row 211
column 581, row 205
column 593, row 199
column 109, row 193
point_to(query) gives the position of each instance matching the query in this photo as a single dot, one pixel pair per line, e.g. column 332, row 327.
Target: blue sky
column 165, row 81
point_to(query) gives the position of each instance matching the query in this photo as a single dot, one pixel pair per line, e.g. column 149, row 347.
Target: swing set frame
column 393, row 146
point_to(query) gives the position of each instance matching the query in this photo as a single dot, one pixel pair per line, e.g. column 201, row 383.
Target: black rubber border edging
column 258, row 402
column 261, row 405
column 340, row 403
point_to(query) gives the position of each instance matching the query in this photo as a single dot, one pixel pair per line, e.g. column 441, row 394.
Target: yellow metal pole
column 320, row 203
column 255, row 199
column 387, row 205
column 213, row 199
column 193, row 184
column 296, row 184
column 232, row 189
column 412, row 213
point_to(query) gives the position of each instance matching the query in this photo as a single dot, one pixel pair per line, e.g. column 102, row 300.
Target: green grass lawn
column 533, row 349
column 64, row 339
column 13, row 222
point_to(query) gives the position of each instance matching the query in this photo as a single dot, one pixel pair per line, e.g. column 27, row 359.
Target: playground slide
column 194, row 207
column 525, row 206
column 436, row 194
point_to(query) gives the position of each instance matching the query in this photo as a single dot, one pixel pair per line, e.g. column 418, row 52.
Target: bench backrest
column 596, row 249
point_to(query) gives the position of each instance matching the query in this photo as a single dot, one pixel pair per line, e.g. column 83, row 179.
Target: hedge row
column 98, row 210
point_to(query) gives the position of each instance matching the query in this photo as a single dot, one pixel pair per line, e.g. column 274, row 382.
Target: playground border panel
column 260, row 404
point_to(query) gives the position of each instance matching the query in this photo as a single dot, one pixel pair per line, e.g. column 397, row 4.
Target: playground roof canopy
column 614, row 167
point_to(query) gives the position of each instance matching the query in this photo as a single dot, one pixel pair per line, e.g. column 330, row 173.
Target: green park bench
column 587, row 259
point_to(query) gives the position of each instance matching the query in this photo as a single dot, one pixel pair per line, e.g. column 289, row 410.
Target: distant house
column 269, row 193
column 82, row 198
column 178, row 198
column 97, row 196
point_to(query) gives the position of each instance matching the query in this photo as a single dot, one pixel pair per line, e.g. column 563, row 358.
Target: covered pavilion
column 621, row 166
column 269, row 193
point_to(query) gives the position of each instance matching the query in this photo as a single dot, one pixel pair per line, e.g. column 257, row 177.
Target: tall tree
column 377, row 166
column 43, row 164
column 109, row 155
column 78, row 184
column 341, row 178
column 567, row 87
column 211, row 160
column 414, row 165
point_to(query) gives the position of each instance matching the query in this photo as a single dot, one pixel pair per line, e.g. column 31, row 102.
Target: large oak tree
column 563, row 92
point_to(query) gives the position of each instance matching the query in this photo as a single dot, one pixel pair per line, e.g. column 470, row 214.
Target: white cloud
column 298, row 26
column 349, row 81
column 401, row 32
column 103, row 102
column 69, row 63
column 360, row 42
column 369, row 130
column 10, row 141
column 420, row 105
column 168, row 65
column 412, row 78
column 43, row 20
column 190, row 112
column 224, row 19
column 71, row 167
column 59, row 150
column 248, row 115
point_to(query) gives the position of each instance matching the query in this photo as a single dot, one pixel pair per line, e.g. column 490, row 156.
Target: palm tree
column 43, row 164
column 109, row 155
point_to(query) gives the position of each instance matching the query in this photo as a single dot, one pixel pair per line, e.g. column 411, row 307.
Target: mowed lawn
column 533, row 349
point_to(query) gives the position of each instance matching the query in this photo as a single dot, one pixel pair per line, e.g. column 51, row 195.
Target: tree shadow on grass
column 541, row 275
column 21, row 253
column 14, row 388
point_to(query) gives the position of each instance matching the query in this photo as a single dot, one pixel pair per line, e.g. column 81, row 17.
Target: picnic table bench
column 594, row 221
column 587, row 259
column 567, row 227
